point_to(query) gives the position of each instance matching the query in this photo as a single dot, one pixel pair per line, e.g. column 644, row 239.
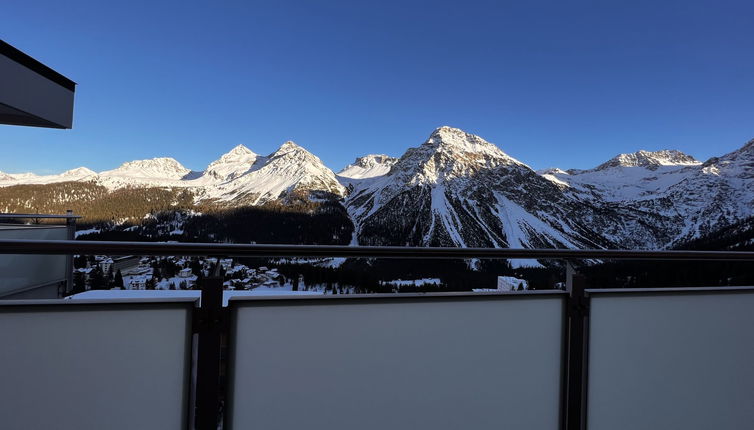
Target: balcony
column 21, row 275
column 548, row 359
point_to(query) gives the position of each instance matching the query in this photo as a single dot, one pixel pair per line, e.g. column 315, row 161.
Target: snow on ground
column 447, row 214
column 369, row 166
column 409, row 282
column 514, row 218
column 625, row 183
column 88, row 231
column 505, row 283
column 510, row 283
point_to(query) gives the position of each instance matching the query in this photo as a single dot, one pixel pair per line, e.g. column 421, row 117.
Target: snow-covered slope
column 5, row 177
column 239, row 177
column 163, row 171
column 368, row 166
column 231, row 165
column 686, row 198
column 627, row 176
column 77, row 174
column 457, row 189
column 650, row 160
column 286, row 171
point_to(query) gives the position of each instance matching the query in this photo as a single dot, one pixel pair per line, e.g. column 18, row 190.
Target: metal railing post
column 70, row 223
column 578, row 312
column 210, row 329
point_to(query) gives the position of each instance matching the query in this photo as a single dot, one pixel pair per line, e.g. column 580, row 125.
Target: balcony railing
column 575, row 359
column 20, row 275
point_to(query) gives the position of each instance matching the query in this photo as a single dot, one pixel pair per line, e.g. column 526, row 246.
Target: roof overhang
column 31, row 93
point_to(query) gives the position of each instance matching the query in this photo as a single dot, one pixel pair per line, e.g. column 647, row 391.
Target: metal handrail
column 40, row 216
column 9, row 246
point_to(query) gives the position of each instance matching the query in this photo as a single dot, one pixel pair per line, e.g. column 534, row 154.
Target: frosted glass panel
column 671, row 361
column 398, row 364
column 23, row 271
column 108, row 366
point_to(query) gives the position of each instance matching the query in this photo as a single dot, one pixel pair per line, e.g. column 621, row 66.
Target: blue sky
column 553, row 83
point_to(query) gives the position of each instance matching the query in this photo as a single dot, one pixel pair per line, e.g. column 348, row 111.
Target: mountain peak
column 372, row 159
column 368, row 166
column 289, row 145
column 650, row 159
column 552, row 171
column 446, row 129
column 456, row 140
column 238, row 151
column 289, row 150
column 289, row 169
column 161, row 167
column 451, row 135
column 232, row 164
column 79, row 172
column 157, row 161
column 747, row 149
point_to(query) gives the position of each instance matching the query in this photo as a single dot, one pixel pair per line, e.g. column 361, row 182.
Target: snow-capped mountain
column 688, row 199
column 650, row 160
column 231, row 165
column 155, row 168
column 77, row 174
column 4, row 177
column 239, row 177
column 286, row 171
column 368, row 166
column 626, row 176
column 456, row 189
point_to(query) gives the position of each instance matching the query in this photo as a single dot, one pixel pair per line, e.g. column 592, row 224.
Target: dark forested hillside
column 669, row 274
column 93, row 202
column 324, row 223
column 735, row 237
column 159, row 214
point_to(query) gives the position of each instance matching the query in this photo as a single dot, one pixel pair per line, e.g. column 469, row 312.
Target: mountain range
column 456, row 189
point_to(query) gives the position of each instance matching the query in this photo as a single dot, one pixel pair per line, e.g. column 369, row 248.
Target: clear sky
column 553, row 83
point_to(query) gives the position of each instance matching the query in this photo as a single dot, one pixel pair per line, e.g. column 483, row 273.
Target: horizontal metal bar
column 99, row 302
column 639, row 291
column 41, row 216
column 258, row 250
column 392, row 297
column 6, row 227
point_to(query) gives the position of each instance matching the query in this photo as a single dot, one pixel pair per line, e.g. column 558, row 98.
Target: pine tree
column 118, row 279
column 79, row 282
column 97, row 279
column 79, row 262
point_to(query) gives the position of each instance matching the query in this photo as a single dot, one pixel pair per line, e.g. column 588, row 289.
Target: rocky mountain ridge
column 456, row 189
column 239, row 177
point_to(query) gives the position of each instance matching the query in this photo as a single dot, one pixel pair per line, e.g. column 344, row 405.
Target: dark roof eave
column 30, row 63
